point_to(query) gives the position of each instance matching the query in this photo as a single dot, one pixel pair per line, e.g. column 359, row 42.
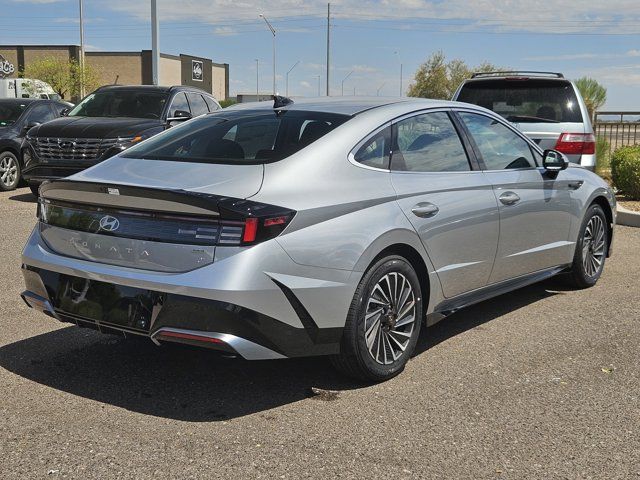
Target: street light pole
column 318, row 77
column 344, row 80
column 81, row 50
column 287, row 81
column 273, row 32
column 155, row 43
column 257, row 83
column 400, row 60
column 380, row 88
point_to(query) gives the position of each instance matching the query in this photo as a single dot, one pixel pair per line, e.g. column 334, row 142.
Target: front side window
column 239, row 137
column 428, row 143
column 40, row 113
column 374, row 152
column 121, row 103
column 179, row 103
column 499, row 146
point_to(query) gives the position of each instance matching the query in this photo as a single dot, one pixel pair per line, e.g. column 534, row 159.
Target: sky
column 370, row 38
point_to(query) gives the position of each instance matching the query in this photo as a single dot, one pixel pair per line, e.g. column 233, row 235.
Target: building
column 129, row 68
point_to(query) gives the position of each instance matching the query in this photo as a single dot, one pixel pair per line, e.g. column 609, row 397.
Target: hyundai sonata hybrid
column 334, row 227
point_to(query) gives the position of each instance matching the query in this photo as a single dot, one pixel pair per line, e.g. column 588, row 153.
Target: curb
column 627, row 217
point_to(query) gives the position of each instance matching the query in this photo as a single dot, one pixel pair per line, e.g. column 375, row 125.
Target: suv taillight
column 576, row 144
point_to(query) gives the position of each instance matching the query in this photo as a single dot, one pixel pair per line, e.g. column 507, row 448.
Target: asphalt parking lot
column 540, row 383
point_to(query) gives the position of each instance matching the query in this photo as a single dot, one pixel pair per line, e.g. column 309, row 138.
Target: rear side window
column 374, row 152
column 525, row 101
column 198, row 105
column 239, row 137
column 499, row 146
column 211, row 103
column 428, row 143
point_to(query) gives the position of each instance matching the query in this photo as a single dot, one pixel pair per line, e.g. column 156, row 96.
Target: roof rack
column 516, row 73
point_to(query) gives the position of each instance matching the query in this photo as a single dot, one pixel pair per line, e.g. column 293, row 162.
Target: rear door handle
column 425, row 209
column 509, row 198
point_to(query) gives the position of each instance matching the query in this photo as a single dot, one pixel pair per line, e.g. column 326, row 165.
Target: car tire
column 10, row 171
column 383, row 322
column 591, row 249
column 35, row 189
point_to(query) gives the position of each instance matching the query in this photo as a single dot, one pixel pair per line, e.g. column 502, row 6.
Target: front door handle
column 575, row 185
column 425, row 209
column 509, row 198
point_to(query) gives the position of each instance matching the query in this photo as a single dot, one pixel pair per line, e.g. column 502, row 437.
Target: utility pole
column 287, row 81
column 344, row 80
column 319, row 83
column 81, row 51
column 155, row 43
column 380, row 88
column 257, row 83
column 328, row 45
column 401, row 91
column 273, row 32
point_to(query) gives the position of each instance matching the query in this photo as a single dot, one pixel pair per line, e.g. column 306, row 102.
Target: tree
column 439, row 79
column 593, row 94
column 64, row 76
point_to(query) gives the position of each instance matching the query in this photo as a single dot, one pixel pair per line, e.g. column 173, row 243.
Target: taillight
column 576, row 144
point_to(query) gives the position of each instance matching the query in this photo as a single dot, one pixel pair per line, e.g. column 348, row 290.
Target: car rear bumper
column 224, row 306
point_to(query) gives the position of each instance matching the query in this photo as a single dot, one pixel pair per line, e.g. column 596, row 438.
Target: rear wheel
column 591, row 249
column 9, row 171
column 383, row 322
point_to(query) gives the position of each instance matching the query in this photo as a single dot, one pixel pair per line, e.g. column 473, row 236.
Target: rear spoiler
column 155, row 200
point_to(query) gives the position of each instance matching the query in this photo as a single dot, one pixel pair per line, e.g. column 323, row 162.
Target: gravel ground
column 539, row 383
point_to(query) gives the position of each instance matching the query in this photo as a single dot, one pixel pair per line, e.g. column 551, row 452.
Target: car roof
column 345, row 105
column 23, row 100
column 152, row 88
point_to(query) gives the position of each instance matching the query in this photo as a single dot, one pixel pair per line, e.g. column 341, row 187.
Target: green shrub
column 227, row 103
column 603, row 157
column 625, row 170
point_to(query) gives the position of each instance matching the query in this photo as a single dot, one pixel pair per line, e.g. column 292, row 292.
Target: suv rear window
column 525, row 101
column 239, row 137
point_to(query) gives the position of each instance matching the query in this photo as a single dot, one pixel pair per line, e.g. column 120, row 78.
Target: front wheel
column 383, row 322
column 591, row 249
column 9, row 171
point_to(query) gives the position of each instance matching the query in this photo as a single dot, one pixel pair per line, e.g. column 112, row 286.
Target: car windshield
column 239, row 137
column 10, row 112
column 525, row 101
column 121, row 103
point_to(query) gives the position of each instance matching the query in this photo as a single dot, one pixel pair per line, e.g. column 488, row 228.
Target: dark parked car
column 106, row 122
column 17, row 115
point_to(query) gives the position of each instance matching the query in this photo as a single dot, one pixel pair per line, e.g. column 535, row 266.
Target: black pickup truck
column 106, row 122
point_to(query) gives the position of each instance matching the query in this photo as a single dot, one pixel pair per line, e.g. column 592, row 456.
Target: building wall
column 220, row 81
column 123, row 68
column 170, row 70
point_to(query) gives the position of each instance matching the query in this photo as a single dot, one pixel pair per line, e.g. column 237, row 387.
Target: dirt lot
column 539, row 383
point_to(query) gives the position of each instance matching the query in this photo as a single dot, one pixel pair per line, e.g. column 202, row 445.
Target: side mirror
column 179, row 116
column 65, row 112
column 29, row 126
column 554, row 161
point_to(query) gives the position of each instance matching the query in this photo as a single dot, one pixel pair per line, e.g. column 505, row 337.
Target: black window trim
column 532, row 145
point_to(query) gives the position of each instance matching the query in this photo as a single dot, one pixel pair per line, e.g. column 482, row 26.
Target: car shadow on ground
column 24, row 197
column 200, row 385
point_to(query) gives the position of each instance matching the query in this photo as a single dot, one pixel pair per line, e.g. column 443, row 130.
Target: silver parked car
column 323, row 227
column 545, row 106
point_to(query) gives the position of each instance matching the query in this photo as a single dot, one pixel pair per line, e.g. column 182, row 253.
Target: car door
column 447, row 199
column 535, row 208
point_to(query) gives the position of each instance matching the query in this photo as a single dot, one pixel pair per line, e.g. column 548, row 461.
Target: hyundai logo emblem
column 109, row 223
column 66, row 144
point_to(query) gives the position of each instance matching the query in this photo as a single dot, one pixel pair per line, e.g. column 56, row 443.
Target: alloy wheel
column 8, row 170
column 593, row 246
column 390, row 318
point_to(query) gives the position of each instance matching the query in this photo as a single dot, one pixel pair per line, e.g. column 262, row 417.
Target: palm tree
column 593, row 94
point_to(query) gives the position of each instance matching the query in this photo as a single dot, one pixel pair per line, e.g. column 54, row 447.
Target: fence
column 618, row 128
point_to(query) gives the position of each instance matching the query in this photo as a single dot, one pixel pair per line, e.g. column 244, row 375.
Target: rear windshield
column 525, row 101
column 240, row 137
column 121, row 103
